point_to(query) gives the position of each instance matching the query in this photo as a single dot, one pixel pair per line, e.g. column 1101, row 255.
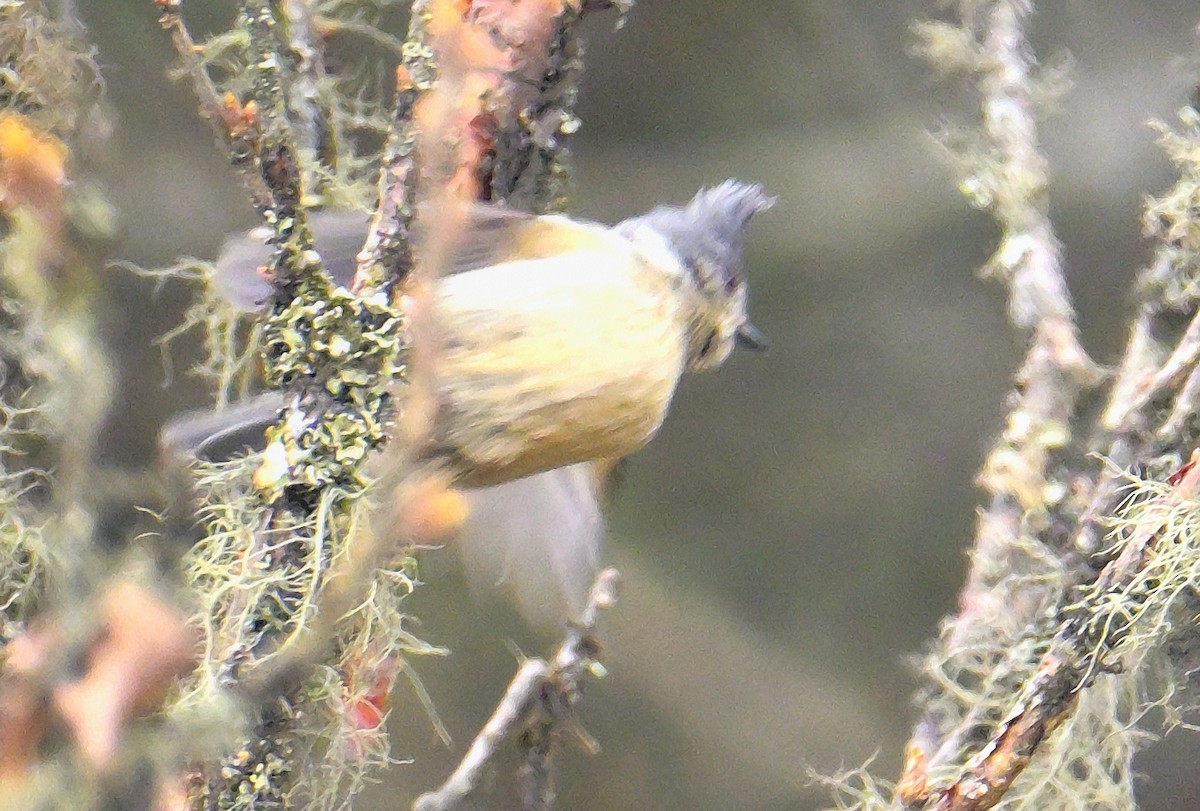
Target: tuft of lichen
column 230, row 339
column 25, row 561
column 55, row 388
column 50, row 76
column 346, row 352
column 341, row 119
column 1171, row 218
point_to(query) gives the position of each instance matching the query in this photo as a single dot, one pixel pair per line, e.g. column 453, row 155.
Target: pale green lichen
column 350, row 350
column 1171, row 219
column 1100, row 652
column 259, row 584
column 230, row 339
column 56, row 389
column 1086, row 763
column 25, row 561
column 1159, row 529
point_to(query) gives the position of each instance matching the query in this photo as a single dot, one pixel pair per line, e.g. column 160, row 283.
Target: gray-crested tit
column 561, row 344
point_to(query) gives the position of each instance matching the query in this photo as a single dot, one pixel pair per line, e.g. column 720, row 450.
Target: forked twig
column 538, row 702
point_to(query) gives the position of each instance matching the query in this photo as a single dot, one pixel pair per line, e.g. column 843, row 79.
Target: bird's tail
column 537, row 539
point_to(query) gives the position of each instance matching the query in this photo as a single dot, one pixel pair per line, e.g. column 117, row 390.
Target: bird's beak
column 751, row 337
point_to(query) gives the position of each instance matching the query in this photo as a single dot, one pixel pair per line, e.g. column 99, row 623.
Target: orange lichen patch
column 404, row 79
column 32, row 168
column 24, row 718
column 913, row 788
column 241, row 120
column 27, row 653
column 143, row 646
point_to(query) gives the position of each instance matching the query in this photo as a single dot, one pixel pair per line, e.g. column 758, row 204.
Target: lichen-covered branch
column 302, row 580
column 1118, row 617
column 511, row 130
column 1039, row 686
column 1017, row 533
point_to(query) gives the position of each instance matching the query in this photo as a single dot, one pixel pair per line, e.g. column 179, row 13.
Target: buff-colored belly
column 551, row 362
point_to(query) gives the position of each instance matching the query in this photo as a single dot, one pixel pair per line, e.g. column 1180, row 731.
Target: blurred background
column 798, row 529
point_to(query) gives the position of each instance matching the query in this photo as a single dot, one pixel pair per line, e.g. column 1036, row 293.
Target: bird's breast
column 549, row 362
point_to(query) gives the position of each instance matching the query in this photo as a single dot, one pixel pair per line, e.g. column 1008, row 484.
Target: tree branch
column 537, row 704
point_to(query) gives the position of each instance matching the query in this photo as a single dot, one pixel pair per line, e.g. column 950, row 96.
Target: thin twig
column 222, row 112
column 512, row 128
column 1187, row 405
column 1173, row 371
column 538, row 702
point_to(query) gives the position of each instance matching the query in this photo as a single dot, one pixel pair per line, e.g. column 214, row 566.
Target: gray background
column 797, row 530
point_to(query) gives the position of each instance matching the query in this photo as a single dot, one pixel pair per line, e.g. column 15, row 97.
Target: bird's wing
column 492, row 235
column 337, row 235
column 218, row 435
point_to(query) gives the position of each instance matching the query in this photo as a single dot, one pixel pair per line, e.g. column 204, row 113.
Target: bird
column 560, row 345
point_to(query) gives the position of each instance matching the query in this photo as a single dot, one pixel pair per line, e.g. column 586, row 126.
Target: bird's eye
column 731, row 283
column 707, row 346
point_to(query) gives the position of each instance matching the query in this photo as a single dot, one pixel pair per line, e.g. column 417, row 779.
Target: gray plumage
column 708, row 233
